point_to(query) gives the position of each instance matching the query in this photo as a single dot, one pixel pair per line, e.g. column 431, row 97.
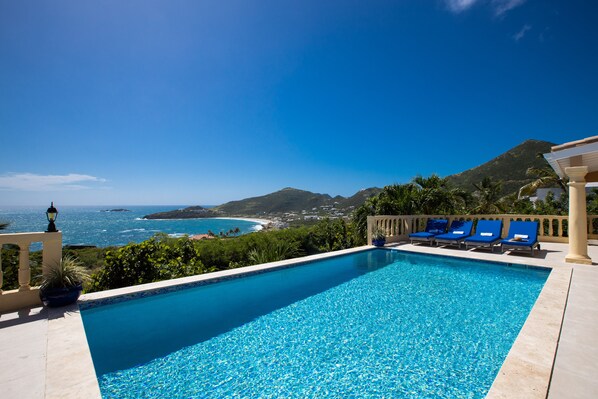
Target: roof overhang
column 575, row 153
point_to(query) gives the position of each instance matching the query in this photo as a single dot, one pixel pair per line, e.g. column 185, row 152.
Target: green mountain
column 358, row 198
column 509, row 167
column 294, row 200
column 286, row 200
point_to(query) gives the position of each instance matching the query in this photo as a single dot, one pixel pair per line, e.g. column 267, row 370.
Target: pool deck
column 44, row 354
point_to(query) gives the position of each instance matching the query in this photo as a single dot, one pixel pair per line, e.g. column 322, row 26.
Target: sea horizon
column 92, row 225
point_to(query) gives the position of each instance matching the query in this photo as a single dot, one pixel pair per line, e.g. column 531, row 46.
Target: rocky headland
column 192, row 212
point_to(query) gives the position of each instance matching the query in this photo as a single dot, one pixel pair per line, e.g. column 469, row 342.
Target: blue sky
column 203, row 102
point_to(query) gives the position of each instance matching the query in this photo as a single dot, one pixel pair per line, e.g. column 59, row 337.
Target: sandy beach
column 263, row 222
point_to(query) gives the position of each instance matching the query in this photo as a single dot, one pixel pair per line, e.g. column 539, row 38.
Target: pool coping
column 527, row 369
column 525, row 373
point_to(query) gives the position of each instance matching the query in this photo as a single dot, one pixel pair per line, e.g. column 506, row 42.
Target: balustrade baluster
column 399, row 227
column 1, row 272
column 24, row 270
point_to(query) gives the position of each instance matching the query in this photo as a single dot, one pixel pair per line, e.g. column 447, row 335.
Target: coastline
column 262, row 222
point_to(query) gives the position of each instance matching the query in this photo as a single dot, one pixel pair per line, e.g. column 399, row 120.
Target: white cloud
column 519, row 35
column 502, row 6
column 459, row 5
column 34, row 182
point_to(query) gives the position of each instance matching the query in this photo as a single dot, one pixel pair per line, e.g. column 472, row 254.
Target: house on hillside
column 542, row 193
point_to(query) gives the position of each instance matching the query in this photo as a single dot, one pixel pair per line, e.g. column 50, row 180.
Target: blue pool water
column 374, row 324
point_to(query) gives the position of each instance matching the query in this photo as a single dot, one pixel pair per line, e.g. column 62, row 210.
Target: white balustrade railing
column 26, row 295
column 398, row 227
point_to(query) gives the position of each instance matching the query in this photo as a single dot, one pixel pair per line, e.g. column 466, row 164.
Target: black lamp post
column 51, row 214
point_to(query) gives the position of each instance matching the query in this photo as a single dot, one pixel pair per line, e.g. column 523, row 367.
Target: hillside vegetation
column 293, row 200
column 509, row 167
column 507, row 171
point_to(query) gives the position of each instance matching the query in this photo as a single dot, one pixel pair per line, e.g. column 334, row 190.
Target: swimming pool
column 379, row 323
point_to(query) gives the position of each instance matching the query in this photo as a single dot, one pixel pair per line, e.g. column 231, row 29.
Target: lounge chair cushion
column 488, row 233
column 422, row 234
column 522, row 234
column 457, row 232
column 433, row 228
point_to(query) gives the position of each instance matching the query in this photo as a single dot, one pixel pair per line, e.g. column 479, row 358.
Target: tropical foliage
column 436, row 196
column 543, row 177
column 163, row 257
column 159, row 258
column 488, row 196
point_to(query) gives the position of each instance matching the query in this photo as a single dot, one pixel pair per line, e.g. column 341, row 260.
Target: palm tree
column 436, row 196
column 544, row 177
column 488, row 196
column 397, row 199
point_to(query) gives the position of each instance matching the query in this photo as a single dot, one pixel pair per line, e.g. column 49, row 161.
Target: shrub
column 159, row 258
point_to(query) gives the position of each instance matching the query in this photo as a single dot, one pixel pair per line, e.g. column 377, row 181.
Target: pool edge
column 527, row 369
column 525, row 372
column 70, row 372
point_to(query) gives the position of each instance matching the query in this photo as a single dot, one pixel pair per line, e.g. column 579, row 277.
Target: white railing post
column 371, row 221
column 51, row 251
column 24, row 268
column 26, row 295
column 1, row 272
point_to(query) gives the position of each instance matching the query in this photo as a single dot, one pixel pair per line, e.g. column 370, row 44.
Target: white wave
column 132, row 230
column 177, row 235
column 257, row 227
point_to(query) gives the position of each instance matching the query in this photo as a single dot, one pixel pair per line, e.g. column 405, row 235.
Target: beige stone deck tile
column 582, row 311
column 30, row 386
column 23, row 354
column 525, row 380
column 69, row 359
column 537, row 347
column 575, row 356
column 568, row 385
column 582, row 333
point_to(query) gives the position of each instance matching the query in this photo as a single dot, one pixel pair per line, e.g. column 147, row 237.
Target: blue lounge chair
column 487, row 234
column 434, row 227
column 522, row 235
column 459, row 231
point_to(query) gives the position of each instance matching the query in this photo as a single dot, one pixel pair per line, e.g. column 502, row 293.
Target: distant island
column 115, row 210
column 192, row 212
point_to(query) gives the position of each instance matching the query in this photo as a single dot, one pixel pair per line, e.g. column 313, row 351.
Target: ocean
column 91, row 225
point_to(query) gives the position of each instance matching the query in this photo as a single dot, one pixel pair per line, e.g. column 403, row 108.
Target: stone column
column 578, row 221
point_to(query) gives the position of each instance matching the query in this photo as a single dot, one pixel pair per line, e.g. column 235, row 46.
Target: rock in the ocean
column 192, row 212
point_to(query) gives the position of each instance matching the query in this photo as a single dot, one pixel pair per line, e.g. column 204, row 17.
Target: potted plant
column 378, row 237
column 63, row 283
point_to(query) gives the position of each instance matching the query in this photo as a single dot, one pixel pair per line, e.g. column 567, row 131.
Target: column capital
column 577, row 173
